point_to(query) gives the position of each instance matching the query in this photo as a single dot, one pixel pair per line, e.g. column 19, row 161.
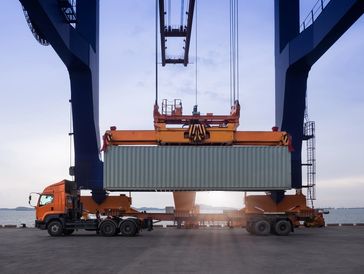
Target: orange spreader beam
column 196, row 129
column 180, row 136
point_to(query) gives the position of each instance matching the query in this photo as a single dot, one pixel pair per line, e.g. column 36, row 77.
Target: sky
column 35, row 89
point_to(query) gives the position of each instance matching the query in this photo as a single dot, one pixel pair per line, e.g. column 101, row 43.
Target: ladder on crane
column 309, row 138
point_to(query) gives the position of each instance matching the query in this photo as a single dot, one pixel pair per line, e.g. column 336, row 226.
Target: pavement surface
column 314, row 250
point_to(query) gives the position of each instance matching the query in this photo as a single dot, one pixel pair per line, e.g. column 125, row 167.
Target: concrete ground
column 325, row 250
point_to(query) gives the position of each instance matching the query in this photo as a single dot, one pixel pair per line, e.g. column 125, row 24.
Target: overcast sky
column 34, row 108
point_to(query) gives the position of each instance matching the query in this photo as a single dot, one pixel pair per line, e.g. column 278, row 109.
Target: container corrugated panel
column 197, row 168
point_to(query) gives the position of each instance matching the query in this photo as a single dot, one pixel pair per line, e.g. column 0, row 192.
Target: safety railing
column 172, row 107
column 68, row 8
column 171, row 28
column 36, row 33
column 313, row 14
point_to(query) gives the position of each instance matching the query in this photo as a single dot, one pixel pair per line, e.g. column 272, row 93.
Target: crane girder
column 182, row 31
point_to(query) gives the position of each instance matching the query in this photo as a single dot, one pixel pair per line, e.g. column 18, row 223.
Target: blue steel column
column 78, row 48
column 290, row 94
column 295, row 54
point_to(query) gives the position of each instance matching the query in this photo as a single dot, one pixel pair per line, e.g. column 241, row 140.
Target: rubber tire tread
column 257, row 226
column 59, row 232
column 284, row 232
column 112, row 225
column 133, row 228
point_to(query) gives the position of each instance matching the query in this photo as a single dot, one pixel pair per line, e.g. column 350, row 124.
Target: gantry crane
column 71, row 28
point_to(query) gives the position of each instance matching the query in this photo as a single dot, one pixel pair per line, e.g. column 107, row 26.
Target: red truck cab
column 54, row 200
column 59, row 210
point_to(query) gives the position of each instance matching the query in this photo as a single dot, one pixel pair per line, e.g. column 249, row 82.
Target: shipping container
column 197, row 168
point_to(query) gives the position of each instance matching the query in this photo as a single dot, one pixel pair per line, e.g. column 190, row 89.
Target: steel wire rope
column 234, row 51
column 230, row 54
column 182, row 11
column 156, row 52
column 196, row 84
column 169, row 13
column 237, row 51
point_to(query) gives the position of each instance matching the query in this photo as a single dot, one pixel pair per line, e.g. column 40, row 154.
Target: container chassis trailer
column 61, row 210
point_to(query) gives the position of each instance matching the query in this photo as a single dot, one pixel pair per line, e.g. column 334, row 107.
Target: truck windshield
column 45, row 199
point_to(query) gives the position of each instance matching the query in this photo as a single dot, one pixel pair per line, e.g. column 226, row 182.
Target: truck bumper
column 40, row 225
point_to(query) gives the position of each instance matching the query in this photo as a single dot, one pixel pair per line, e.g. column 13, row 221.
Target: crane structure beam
column 77, row 44
column 217, row 136
column 191, row 8
column 74, row 35
column 295, row 53
column 162, row 31
column 182, row 31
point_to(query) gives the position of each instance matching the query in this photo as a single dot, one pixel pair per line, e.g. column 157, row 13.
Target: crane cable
column 237, row 51
column 233, row 48
column 182, row 11
column 234, row 51
column 169, row 12
column 230, row 59
column 196, row 56
column 156, row 52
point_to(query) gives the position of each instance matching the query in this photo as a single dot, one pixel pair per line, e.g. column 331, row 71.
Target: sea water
column 14, row 217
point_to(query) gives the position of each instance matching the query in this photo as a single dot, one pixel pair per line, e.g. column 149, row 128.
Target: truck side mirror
column 33, row 202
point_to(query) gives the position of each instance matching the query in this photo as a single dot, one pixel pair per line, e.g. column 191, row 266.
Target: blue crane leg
column 295, row 54
column 78, row 49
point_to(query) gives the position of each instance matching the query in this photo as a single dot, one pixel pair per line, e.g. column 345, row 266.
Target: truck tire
column 262, row 227
column 55, row 228
column 68, row 232
column 108, row 228
column 128, row 228
column 250, row 227
column 282, row 227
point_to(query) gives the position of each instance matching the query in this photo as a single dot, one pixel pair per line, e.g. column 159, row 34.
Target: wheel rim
column 262, row 227
column 127, row 228
column 107, row 228
column 55, row 228
column 282, row 227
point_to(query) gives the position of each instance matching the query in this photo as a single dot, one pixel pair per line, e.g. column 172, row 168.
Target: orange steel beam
column 264, row 138
column 194, row 129
column 209, row 119
column 262, row 203
column 201, row 217
column 184, row 201
column 121, row 203
column 177, row 136
column 177, row 118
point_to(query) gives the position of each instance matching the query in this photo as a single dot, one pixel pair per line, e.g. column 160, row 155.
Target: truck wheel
column 55, row 228
column 68, row 232
column 108, row 228
column 262, row 227
column 128, row 228
column 282, row 227
column 250, row 228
